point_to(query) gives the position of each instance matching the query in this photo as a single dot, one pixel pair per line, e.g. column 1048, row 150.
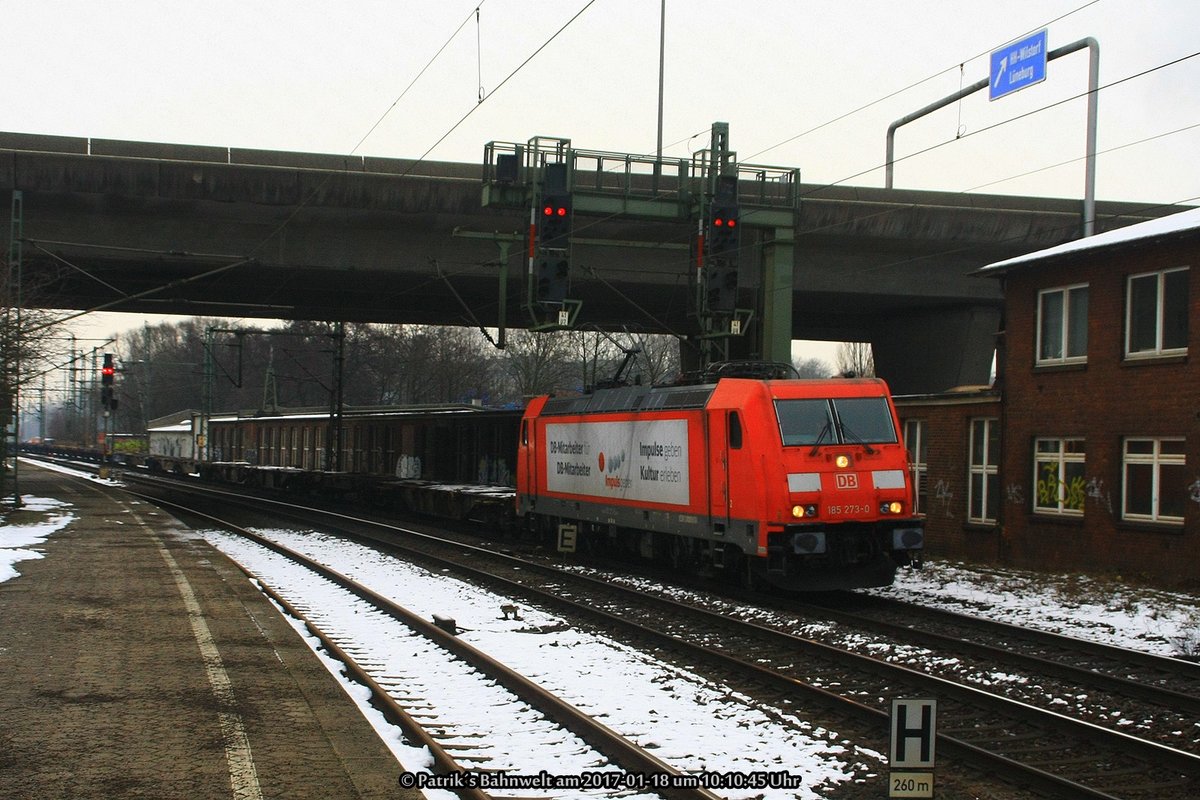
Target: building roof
column 182, row 427
column 1182, row 223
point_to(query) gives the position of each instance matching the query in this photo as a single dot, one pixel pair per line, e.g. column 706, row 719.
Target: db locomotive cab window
column 735, row 431
column 843, row 420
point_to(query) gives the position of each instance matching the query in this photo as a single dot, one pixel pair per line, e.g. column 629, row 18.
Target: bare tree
column 813, row 368
column 658, row 360
column 857, row 358
column 536, row 363
column 596, row 356
column 27, row 347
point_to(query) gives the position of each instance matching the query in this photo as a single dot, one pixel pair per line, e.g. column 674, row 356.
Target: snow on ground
column 687, row 720
column 698, row 724
column 1098, row 609
column 82, row 471
column 18, row 537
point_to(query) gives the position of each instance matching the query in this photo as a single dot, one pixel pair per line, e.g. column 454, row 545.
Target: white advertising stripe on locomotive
column 888, row 478
column 804, row 481
column 644, row 460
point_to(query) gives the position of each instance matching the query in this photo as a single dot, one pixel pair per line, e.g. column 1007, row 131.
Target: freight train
column 798, row 484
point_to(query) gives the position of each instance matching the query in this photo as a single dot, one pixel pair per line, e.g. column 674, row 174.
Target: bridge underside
column 376, row 242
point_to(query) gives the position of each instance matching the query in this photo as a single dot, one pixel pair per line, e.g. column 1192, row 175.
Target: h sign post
column 913, row 732
column 914, row 735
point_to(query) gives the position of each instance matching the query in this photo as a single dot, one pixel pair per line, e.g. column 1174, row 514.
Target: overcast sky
column 788, row 77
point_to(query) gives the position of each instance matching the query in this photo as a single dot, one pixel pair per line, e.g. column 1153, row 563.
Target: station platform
column 138, row 661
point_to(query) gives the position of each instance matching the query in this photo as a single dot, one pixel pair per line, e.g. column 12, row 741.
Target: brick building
column 1086, row 453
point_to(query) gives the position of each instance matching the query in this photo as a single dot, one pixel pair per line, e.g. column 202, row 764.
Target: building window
column 1058, row 477
column 1062, row 325
column 983, row 486
column 917, row 444
column 1156, row 320
column 1155, row 486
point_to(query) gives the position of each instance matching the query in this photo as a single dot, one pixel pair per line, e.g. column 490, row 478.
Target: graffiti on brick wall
column 408, row 467
column 1096, row 491
column 1016, row 494
column 1194, row 491
column 943, row 498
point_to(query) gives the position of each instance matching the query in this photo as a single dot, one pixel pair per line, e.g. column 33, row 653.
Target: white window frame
column 1156, row 459
column 1060, row 458
column 1065, row 327
column 918, row 468
column 988, row 468
column 1158, row 349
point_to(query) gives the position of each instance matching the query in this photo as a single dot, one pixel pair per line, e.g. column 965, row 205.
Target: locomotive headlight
column 842, row 462
column 801, row 512
column 894, row 507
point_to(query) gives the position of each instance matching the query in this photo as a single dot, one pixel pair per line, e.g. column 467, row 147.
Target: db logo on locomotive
column 846, row 480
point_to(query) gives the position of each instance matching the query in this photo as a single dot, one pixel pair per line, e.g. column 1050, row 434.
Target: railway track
column 479, row 755
column 1163, row 692
column 1058, row 755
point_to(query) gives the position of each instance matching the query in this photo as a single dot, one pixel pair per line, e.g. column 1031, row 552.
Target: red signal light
column 548, row 211
column 108, row 371
column 562, row 212
column 718, row 222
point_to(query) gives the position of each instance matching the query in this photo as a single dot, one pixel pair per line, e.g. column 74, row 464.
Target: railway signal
column 552, row 268
column 722, row 241
column 553, row 277
column 107, row 373
column 555, row 224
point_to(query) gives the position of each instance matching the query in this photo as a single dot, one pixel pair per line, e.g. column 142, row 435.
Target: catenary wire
column 904, row 89
column 791, row 139
column 821, row 187
column 1008, row 121
column 305, row 201
column 1077, row 159
column 413, row 82
column 500, row 85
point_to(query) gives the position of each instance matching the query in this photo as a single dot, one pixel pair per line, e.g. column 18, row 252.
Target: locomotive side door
column 718, row 468
column 527, row 468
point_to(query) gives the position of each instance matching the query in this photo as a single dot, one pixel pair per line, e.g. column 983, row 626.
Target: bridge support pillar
column 778, row 269
column 920, row 352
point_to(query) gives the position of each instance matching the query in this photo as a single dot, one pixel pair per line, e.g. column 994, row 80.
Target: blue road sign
column 1018, row 65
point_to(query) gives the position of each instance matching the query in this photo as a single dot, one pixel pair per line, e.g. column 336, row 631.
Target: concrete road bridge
column 179, row 229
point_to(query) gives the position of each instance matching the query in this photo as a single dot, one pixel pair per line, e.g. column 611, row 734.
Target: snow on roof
column 1164, row 226
column 182, row 427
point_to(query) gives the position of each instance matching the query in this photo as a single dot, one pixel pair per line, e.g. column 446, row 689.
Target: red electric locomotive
column 801, row 484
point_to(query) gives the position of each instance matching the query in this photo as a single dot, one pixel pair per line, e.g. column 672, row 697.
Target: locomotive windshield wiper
column 849, row 435
column 821, row 437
